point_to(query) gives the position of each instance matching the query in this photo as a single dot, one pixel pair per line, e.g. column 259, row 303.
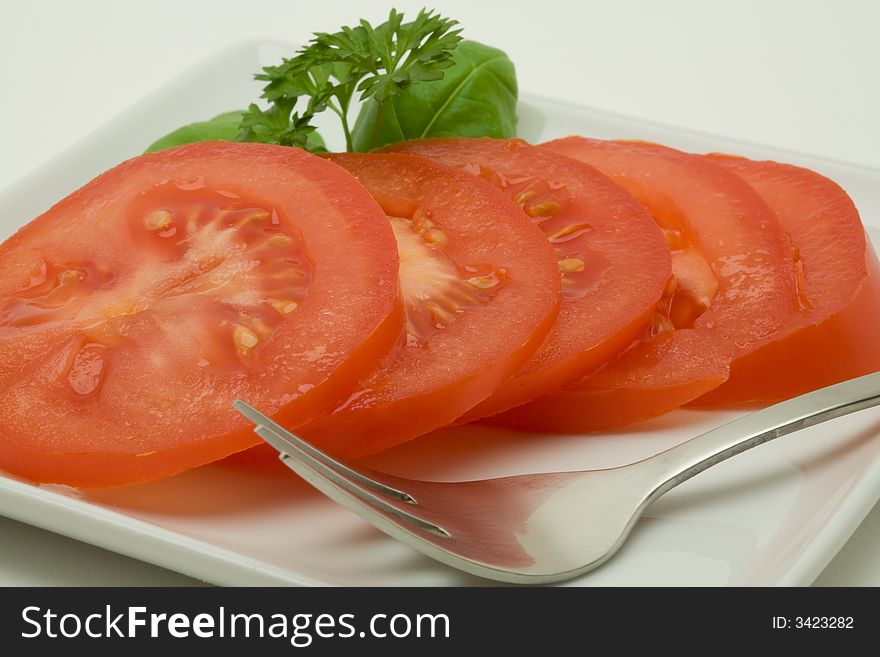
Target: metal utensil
column 509, row 529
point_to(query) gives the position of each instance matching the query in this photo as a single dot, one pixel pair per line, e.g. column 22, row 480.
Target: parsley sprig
column 332, row 69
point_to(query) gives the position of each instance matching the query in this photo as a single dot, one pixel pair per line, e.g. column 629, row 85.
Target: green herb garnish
column 223, row 127
column 376, row 63
column 416, row 80
column 476, row 98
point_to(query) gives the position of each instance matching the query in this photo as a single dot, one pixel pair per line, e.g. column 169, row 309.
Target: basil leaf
column 221, row 128
column 224, row 127
column 475, row 98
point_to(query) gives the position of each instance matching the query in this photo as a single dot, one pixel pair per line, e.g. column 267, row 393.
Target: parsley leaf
column 373, row 63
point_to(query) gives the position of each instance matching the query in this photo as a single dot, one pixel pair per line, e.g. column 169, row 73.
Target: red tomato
column 834, row 337
column 137, row 309
column 613, row 261
column 480, row 288
column 738, row 288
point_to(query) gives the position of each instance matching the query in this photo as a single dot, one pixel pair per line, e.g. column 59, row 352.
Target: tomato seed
column 158, row 220
column 569, row 265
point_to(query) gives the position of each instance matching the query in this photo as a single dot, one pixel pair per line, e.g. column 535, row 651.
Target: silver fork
column 541, row 528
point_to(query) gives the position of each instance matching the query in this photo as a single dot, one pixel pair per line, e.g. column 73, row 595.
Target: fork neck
column 680, row 463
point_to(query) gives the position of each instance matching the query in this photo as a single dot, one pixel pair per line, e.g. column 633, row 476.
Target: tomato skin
column 653, row 378
column 595, row 219
column 421, row 387
column 157, row 409
column 748, row 253
column 834, row 337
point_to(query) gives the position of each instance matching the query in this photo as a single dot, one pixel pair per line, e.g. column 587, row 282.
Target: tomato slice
column 834, row 337
column 613, row 261
column 738, row 288
column 480, row 289
column 137, row 309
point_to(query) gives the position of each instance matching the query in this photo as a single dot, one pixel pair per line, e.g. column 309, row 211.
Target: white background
column 801, row 75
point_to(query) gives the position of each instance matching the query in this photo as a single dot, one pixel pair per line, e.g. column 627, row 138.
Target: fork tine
column 293, row 449
column 283, row 440
column 332, row 483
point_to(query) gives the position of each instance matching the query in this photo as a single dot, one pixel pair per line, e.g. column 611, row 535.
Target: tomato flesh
column 612, row 260
column 137, row 309
column 739, row 279
column 480, row 289
column 834, row 337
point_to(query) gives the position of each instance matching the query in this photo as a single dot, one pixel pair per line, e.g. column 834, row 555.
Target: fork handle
column 682, row 462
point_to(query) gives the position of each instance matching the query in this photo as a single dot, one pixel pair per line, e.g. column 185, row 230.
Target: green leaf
column 223, row 128
column 374, row 62
column 229, row 126
column 475, row 98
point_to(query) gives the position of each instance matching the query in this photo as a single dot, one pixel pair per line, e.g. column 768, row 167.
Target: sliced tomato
column 834, row 337
column 480, row 288
column 613, row 261
column 137, row 309
column 737, row 288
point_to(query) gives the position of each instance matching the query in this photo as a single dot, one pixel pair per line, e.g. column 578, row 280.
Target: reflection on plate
column 774, row 515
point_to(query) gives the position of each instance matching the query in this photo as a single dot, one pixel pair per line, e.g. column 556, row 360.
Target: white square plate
column 773, row 516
